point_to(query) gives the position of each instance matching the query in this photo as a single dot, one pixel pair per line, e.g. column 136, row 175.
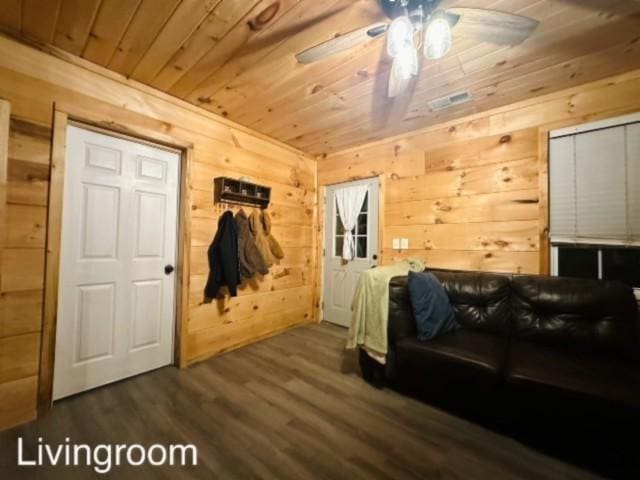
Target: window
column 594, row 199
column 580, row 262
column 594, row 185
column 597, row 261
column 360, row 233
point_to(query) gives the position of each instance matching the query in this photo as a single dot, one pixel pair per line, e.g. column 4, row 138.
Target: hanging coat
column 224, row 269
column 274, row 245
column 251, row 261
column 262, row 242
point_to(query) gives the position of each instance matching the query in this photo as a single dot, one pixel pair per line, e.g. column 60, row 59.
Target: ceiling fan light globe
column 437, row 38
column 399, row 36
column 406, row 64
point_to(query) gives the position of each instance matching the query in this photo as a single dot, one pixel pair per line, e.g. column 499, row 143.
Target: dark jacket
column 251, row 262
column 224, row 267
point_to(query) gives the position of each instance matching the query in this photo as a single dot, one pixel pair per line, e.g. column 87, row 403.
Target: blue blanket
column 432, row 311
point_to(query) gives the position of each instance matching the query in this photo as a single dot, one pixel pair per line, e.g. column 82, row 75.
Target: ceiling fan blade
column 492, row 26
column 265, row 40
column 397, row 85
column 341, row 43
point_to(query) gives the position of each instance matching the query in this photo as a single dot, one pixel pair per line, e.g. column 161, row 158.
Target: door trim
column 5, row 121
column 322, row 247
column 62, row 118
column 544, row 220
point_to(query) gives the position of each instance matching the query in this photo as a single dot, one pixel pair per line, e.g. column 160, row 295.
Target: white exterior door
column 340, row 277
column 119, row 232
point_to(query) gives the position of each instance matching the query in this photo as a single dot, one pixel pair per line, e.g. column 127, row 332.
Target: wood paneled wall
column 32, row 82
column 472, row 194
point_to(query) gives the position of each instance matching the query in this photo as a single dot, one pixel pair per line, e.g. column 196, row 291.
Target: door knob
column 168, row 269
column 375, row 256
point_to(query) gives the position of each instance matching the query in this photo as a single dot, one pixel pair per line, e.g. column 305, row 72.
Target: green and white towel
column 370, row 306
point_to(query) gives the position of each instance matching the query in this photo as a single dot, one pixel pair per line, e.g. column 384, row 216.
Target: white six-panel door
column 341, row 278
column 119, row 231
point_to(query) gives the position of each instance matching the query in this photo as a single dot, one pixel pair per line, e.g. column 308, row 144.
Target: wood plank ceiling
column 236, row 58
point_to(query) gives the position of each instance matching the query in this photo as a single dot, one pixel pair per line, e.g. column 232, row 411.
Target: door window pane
column 339, row 242
column 362, row 224
column 360, row 231
column 361, row 243
column 621, row 264
column 578, row 262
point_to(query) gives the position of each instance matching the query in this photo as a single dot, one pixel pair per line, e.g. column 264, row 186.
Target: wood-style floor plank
column 292, row 406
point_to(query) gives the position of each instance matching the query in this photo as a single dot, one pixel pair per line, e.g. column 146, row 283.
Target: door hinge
column 322, row 306
column 324, row 252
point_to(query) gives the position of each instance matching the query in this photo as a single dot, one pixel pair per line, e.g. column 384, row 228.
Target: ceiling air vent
column 450, row 101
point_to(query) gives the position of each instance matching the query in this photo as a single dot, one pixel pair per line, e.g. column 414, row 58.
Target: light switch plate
column 404, row 244
column 396, row 244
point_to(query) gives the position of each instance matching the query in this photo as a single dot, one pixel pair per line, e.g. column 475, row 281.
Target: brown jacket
column 262, row 240
column 275, row 247
column 251, row 260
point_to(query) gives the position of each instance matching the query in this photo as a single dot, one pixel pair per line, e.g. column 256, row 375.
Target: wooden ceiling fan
column 421, row 25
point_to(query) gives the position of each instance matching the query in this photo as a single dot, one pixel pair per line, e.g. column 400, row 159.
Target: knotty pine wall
column 32, row 82
column 472, row 194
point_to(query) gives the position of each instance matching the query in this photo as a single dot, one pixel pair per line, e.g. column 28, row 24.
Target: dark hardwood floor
column 292, row 406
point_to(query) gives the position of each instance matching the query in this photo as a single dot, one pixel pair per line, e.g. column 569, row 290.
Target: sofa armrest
column 401, row 322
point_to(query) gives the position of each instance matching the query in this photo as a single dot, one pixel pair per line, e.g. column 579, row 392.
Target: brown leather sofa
column 532, row 334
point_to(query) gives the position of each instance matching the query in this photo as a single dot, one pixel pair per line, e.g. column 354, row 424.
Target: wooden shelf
column 239, row 192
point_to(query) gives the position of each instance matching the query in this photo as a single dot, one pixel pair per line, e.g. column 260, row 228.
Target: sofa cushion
column 575, row 313
column 430, row 304
column 480, row 300
column 605, row 377
column 468, row 349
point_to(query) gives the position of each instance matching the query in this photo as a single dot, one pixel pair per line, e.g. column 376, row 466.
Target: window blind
column 594, row 186
column 633, row 179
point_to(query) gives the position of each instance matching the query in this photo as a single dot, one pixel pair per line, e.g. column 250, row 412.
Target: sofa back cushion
column 576, row 313
column 480, row 300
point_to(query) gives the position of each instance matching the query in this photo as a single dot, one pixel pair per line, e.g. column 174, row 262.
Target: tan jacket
column 269, row 248
column 275, row 247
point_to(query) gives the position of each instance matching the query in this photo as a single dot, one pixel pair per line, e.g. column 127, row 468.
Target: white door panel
column 338, row 294
column 95, row 322
column 341, row 278
column 149, row 238
column 146, row 314
column 115, row 304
